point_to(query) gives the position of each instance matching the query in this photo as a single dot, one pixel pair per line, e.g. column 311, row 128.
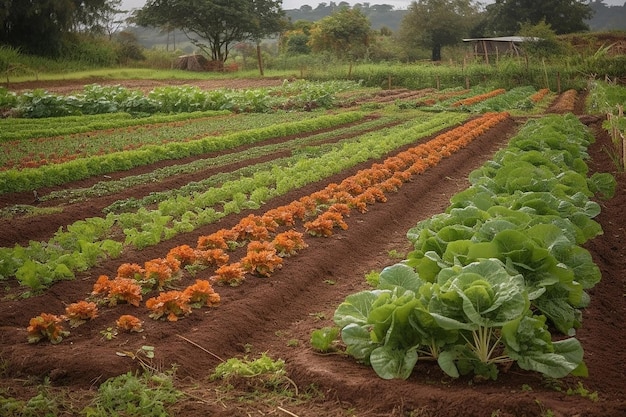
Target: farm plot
column 276, row 313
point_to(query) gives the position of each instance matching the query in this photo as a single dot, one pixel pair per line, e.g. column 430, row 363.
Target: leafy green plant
column 235, row 367
column 148, row 394
column 323, row 339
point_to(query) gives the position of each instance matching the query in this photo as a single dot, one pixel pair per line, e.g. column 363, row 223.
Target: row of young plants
column 12, row 129
column 30, row 179
column 489, row 277
column 608, row 99
column 97, row 99
column 269, row 239
column 38, row 151
column 304, row 144
column 477, row 100
column 85, row 242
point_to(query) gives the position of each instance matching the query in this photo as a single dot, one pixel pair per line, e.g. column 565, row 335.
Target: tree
column 541, row 41
column 220, row 23
column 40, row 26
column 345, row 33
column 433, row 24
column 506, row 17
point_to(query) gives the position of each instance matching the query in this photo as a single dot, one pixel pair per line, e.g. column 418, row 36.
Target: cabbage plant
column 470, row 320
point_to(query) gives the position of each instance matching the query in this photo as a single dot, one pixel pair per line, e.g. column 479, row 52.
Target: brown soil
column 277, row 314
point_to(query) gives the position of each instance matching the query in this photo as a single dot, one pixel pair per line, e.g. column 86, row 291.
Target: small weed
column 293, row 343
column 318, row 316
column 109, row 333
column 526, row 388
column 330, row 282
column 143, row 355
column 372, row 278
column 583, row 392
column 545, row 412
column 395, row 254
column 145, row 395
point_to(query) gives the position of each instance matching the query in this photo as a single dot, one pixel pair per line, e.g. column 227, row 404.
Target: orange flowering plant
column 222, row 239
column 231, row 274
column 46, row 326
column 131, row 271
column 211, row 257
column 118, row 290
column 261, row 259
column 171, row 303
column 289, row 243
column 202, row 293
column 162, row 271
column 129, row 323
column 254, row 228
column 185, row 254
column 78, row 313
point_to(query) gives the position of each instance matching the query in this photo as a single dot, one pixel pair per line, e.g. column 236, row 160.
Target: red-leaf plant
column 289, row 243
column 46, row 326
column 78, row 313
column 129, row 323
column 172, row 304
column 202, row 293
column 261, row 259
column 231, row 274
column 118, row 290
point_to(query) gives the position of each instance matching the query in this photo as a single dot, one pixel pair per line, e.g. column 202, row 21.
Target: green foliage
column 322, row 339
column 219, row 23
column 505, row 17
column 544, row 43
column 487, row 275
column 245, row 367
column 146, row 395
column 344, row 33
column 433, row 24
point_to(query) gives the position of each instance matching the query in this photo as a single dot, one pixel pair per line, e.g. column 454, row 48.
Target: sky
column 295, row 4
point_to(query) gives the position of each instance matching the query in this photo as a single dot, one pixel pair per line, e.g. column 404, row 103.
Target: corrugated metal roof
column 504, row 39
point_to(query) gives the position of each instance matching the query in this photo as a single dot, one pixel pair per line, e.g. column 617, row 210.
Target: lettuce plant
column 470, row 320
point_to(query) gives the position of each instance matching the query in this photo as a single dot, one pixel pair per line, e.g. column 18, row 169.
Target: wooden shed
column 504, row 45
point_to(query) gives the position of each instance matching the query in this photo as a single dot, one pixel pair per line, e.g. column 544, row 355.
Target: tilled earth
column 277, row 314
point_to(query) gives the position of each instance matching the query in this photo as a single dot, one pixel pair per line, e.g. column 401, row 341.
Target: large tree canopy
column 39, row 26
column 506, row 17
column 219, row 23
column 345, row 33
column 433, row 24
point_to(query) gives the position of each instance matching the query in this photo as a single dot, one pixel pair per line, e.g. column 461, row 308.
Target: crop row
column 96, row 99
column 266, row 247
column 489, row 277
column 48, row 175
column 85, row 242
column 36, row 152
column 477, row 101
column 304, row 144
column 12, row 129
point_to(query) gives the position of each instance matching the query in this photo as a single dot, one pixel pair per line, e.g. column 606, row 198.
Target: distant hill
column 605, row 18
column 380, row 15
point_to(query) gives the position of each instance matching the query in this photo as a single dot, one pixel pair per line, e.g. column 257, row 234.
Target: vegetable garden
column 441, row 253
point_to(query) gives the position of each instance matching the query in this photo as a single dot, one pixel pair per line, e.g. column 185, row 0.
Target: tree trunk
column 436, row 53
column 259, row 58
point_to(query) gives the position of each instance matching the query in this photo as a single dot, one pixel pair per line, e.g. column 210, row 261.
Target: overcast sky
column 295, row 4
